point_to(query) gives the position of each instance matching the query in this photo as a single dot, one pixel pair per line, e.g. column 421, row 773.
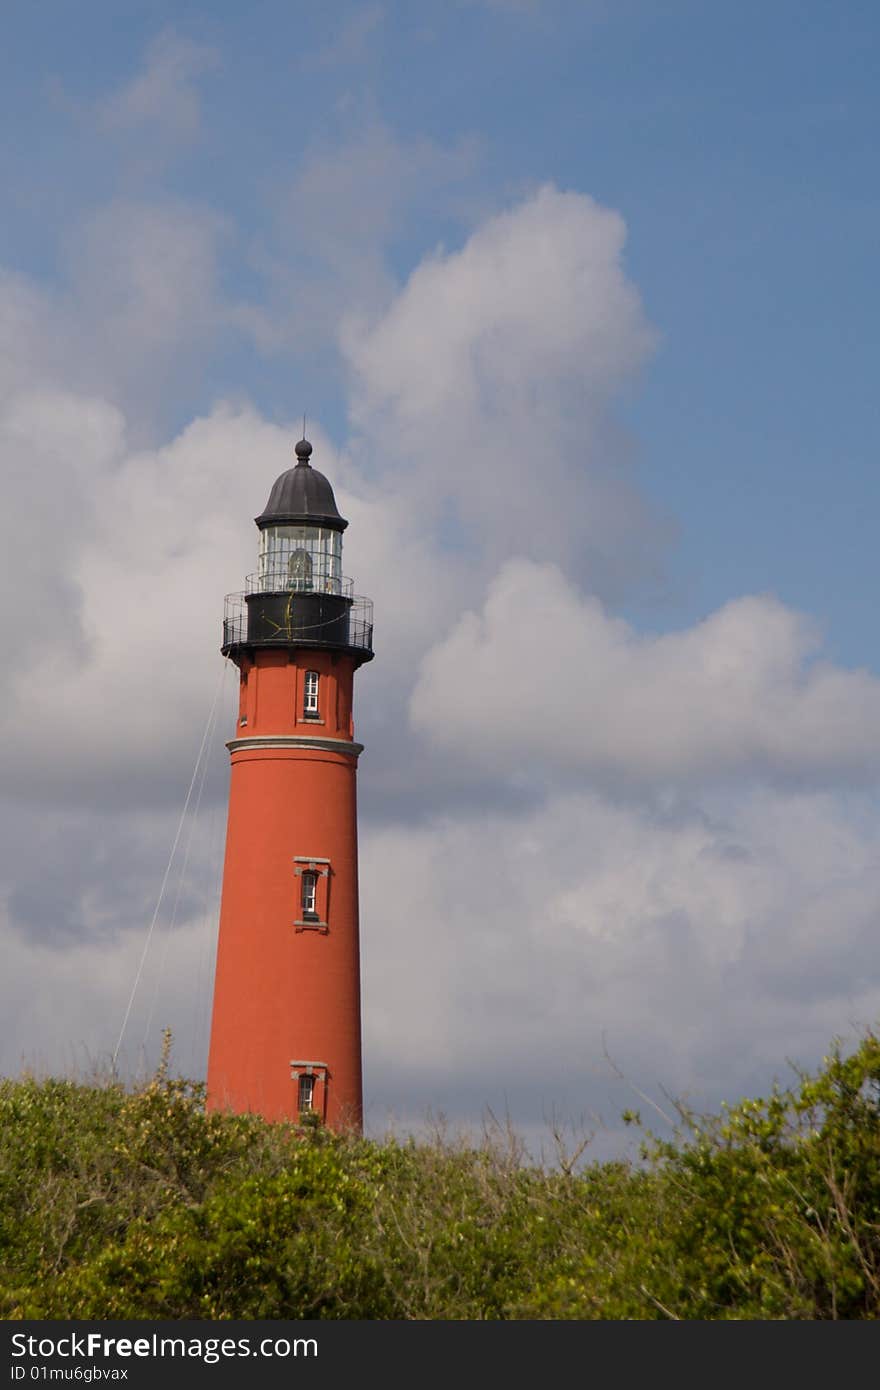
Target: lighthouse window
column 306, row 1090
column 302, row 558
column 310, row 698
column 309, row 894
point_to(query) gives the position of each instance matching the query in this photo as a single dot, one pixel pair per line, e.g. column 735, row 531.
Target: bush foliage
column 135, row 1204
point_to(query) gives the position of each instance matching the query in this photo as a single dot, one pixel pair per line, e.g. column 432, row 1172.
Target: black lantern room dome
column 302, row 496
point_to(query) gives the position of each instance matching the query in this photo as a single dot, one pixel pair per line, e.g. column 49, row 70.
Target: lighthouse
column 286, row 1023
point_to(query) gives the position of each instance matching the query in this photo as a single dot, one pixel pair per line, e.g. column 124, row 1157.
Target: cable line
column 152, row 926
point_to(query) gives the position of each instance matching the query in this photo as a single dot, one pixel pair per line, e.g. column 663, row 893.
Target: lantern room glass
column 306, row 559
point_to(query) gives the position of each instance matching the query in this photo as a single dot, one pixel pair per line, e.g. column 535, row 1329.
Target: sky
column 580, row 302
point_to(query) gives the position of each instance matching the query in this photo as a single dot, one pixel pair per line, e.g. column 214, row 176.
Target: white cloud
column 136, row 318
column 163, row 97
column 147, row 544
column 54, row 448
column 488, row 382
column 30, row 353
column 144, row 293
column 536, row 300
column 545, row 678
column 703, row 947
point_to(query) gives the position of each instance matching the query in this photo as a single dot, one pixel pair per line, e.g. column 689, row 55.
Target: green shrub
column 118, row 1203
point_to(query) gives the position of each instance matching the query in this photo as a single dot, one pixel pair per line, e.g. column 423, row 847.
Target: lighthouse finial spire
column 303, row 449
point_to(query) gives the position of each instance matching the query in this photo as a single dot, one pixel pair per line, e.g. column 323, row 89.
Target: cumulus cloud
column 488, row 385
column 137, row 318
column 144, row 289
column 30, row 352
column 535, row 301
column 699, row 945
column 144, row 545
column 54, row 447
column 544, row 677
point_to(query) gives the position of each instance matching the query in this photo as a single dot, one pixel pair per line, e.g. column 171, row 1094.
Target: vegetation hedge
column 137, row 1204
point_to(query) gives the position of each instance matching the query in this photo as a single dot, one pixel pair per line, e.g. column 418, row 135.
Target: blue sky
column 276, row 208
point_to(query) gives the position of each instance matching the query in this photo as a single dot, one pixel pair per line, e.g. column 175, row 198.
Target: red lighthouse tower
column 286, row 1027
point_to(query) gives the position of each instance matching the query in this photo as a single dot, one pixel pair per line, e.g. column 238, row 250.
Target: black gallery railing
column 306, row 618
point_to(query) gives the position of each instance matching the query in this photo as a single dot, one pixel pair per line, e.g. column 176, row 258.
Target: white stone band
column 321, row 745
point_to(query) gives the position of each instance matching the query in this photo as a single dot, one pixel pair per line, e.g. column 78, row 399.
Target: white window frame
column 308, row 1070
column 311, row 691
column 311, row 868
column 305, row 1091
column 309, row 894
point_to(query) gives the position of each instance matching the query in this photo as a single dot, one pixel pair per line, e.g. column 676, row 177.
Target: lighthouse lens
column 301, row 557
column 299, row 570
